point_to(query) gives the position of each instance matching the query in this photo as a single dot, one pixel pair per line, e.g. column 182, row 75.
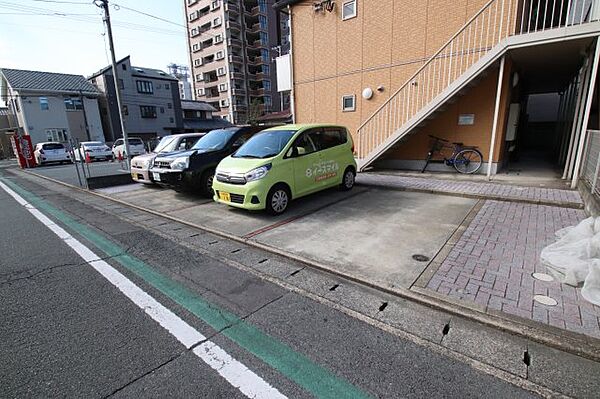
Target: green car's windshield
column 265, row 144
column 214, row 140
column 167, row 144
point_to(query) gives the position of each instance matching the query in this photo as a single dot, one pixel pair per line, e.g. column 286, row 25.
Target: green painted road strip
column 316, row 379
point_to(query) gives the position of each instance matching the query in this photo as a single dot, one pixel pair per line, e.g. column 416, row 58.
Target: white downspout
column 496, row 113
column 576, row 120
column 586, row 115
column 292, row 99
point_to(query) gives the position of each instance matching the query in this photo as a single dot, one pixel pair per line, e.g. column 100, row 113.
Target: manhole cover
column 545, row 300
column 542, row 277
column 420, row 258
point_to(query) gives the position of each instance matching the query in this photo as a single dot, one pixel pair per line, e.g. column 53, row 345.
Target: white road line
column 236, row 373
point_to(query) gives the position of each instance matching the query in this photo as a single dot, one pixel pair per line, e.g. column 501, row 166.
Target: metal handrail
column 495, row 21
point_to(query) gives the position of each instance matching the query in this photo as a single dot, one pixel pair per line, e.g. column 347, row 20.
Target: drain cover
column 420, row 258
column 542, row 277
column 545, row 300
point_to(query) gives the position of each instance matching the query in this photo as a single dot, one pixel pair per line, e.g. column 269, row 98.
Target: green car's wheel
column 278, row 200
column 348, row 179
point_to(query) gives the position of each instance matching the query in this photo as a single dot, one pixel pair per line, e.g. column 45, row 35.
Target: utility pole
column 104, row 5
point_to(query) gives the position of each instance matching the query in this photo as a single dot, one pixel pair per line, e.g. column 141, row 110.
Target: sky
column 34, row 37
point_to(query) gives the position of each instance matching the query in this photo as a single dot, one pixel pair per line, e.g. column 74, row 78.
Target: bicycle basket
column 436, row 145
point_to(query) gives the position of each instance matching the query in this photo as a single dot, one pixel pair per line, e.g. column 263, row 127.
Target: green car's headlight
column 180, row 163
column 258, row 173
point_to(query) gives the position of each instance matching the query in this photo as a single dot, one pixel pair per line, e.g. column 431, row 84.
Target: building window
column 44, row 104
column 223, row 87
column 72, row 104
column 267, row 85
column 214, row 5
column 221, row 71
column 162, row 110
column 125, row 110
column 56, row 135
column 262, row 6
column 148, row 111
column 264, row 54
column 144, row 86
column 167, row 86
column 169, row 105
column 121, row 84
column 197, row 62
column 267, row 100
column 262, row 20
column 199, row 77
column 349, row 9
column 171, row 120
column 264, row 38
column 218, row 38
column 223, row 103
column 220, row 55
column 195, row 47
column 266, row 69
column 200, row 92
column 124, row 66
column 216, row 22
column 349, row 103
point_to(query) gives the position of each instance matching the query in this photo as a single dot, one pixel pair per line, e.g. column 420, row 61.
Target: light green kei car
column 283, row 163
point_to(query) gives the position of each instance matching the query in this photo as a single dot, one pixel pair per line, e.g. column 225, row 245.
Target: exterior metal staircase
column 499, row 26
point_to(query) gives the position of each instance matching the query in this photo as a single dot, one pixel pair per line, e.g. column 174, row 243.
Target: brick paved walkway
column 493, row 261
column 479, row 189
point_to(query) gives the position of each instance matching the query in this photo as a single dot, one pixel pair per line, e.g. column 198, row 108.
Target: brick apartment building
column 395, row 72
column 230, row 45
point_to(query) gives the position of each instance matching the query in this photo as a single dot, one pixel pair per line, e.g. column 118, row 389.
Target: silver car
column 141, row 164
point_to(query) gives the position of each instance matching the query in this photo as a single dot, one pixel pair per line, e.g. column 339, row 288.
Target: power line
column 118, row 6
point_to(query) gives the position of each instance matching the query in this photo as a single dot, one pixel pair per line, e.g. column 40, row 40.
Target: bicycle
column 465, row 159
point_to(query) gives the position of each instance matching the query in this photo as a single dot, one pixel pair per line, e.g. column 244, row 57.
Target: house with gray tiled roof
column 52, row 106
column 150, row 100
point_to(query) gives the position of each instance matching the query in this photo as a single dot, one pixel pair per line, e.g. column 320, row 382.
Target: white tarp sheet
column 575, row 257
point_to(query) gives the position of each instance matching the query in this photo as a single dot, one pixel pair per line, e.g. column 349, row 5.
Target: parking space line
column 237, row 374
column 294, row 218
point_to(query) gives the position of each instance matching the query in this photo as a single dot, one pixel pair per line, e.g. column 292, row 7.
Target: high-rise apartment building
column 230, row 45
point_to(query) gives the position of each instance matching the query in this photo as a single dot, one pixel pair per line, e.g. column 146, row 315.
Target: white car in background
column 136, row 147
column 51, row 152
column 95, row 149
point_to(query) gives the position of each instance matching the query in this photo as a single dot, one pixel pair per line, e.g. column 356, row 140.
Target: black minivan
column 194, row 170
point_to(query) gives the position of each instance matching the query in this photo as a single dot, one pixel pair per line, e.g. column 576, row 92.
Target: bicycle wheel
column 468, row 161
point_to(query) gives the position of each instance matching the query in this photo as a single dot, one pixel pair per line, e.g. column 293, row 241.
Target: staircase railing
column 497, row 20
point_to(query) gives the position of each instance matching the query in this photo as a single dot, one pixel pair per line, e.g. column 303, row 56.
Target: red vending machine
column 23, row 149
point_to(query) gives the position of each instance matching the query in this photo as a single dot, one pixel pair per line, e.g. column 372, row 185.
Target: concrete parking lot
column 371, row 234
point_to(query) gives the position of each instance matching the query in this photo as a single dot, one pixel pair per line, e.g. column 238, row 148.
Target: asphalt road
column 68, row 331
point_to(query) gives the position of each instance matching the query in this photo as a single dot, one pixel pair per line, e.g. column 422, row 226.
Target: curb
column 574, row 343
column 562, row 204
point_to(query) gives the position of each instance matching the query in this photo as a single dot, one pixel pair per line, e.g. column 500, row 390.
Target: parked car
column 284, row 163
column 136, row 147
column 140, row 165
column 95, row 149
column 51, row 152
column 194, row 170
